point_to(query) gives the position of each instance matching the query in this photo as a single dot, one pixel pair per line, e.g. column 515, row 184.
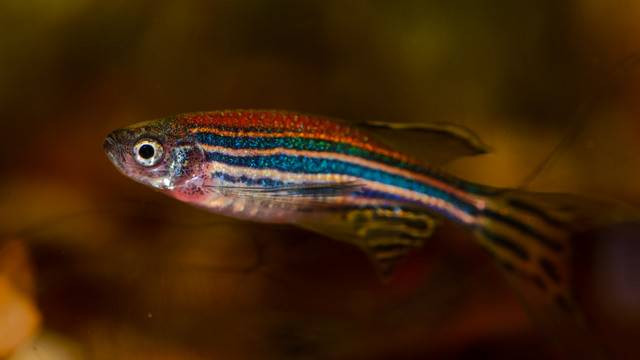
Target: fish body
column 326, row 175
column 348, row 183
column 273, row 150
column 268, row 150
column 285, row 167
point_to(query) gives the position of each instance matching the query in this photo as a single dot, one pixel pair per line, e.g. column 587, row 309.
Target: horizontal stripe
column 240, row 140
column 317, row 165
column 346, row 143
column 266, row 182
column 255, row 149
column 427, row 184
column 299, row 143
column 265, row 120
column 447, row 209
column 364, row 144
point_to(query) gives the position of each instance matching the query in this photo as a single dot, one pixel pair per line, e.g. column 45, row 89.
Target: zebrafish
column 355, row 183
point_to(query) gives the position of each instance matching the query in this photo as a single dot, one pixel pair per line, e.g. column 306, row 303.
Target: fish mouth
column 113, row 149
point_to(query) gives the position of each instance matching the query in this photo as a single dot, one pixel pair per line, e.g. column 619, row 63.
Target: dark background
column 110, row 269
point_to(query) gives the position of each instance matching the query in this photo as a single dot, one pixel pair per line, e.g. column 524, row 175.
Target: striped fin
column 530, row 236
column 387, row 235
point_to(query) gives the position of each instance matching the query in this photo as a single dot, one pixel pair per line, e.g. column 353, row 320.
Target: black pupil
column 146, row 151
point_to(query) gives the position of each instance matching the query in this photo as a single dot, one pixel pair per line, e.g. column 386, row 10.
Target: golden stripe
column 363, row 144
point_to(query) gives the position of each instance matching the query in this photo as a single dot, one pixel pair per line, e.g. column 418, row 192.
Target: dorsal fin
column 435, row 143
column 387, row 235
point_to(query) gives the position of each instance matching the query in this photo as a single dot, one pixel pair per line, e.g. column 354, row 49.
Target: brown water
column 95, row 266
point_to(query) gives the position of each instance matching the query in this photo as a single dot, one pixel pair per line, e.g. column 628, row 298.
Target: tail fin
column 530, row 236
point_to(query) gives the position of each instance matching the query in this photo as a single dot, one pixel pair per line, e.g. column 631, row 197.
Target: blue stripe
column 264, row 182
column 298, row 143
column 307, row 165
column 307, row 144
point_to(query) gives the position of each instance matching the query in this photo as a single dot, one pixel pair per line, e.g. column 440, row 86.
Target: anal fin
column 387, row 235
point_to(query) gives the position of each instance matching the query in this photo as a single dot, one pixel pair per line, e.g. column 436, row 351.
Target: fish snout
column 109, row 143
column 113, row 145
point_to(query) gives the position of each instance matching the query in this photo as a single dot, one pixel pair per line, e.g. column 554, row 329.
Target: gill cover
column 185, row 165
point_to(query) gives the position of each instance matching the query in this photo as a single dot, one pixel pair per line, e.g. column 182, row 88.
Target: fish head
column 161, row 154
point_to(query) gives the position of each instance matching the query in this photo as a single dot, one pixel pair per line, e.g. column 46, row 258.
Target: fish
column 364, row 184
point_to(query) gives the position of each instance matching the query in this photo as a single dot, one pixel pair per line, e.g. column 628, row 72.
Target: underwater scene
column 319, row 179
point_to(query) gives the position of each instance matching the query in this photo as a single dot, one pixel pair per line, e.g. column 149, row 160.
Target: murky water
column 93, row 265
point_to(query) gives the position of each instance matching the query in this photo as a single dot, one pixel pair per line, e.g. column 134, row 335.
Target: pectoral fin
column 307, row 190
column 387, row 235
column 304, row 195
column 435, row 143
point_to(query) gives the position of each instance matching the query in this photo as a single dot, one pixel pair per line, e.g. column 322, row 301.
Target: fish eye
column 147, row 152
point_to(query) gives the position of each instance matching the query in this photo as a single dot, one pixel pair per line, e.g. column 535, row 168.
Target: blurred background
column 95, row 266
